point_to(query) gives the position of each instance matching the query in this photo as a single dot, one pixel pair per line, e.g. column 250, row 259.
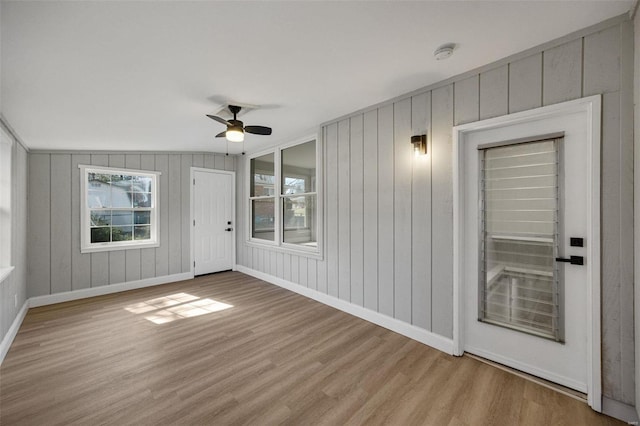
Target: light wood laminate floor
column 230, row 349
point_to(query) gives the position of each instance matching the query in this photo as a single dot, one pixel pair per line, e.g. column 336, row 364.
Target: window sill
column 5, row 272
column 97, row 249
column 305, row 251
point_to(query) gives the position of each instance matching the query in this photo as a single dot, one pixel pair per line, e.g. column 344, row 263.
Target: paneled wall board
column 402, row 189
column 611, row 302
column 466, row 97
column 185, row 195
column 370, row 203
column 162, row 252
column 344, row 212
column 55, row 261
column 60, row 223
column 442, row 211
column 562, row 73
column 39, row 240
column 601, row 62
column 356, row 243
column 331, row 218
column 303, row 277
column 385, row 211
column 175, row 214
column 628, row 365
column 494, row 92
column 525, row 83
column 421, row 217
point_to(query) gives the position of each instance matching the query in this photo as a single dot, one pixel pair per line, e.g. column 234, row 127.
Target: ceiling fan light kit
column 234, row 134
column 236, row 128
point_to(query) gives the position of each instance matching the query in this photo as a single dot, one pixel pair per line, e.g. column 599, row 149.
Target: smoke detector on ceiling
column 444, row 51
column 226, row 113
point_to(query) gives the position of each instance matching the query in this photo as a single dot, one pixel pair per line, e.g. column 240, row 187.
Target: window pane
column 263, row 220
column 101, row 235
column 101, row 218
column 120, row 196
column 122, row 181
column 299, row 169
column 122, row 233
column 299, row 220
column 142, row 232
column 141, row 184
column 142, row 218
column 121, row 218
column 99, row 190
column 262, row 176
column 141, row 199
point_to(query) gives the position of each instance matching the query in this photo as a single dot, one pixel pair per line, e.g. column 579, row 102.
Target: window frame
column 273, row 197
column 86, row 246
column 278, row 243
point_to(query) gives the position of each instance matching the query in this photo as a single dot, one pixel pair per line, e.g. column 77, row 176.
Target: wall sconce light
column 419, row 143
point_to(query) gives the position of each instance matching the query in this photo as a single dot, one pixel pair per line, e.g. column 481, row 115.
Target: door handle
column 228, row 229
column 574, row 260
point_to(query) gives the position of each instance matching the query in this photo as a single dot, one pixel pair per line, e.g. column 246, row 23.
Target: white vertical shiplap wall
column 16, row 283
column 55, row 262
column 388, row 216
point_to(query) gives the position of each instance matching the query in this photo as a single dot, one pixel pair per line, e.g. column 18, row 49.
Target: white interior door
column 524, row 197
column 213, row 221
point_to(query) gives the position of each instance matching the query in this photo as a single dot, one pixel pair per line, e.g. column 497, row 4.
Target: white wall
column 388, row 218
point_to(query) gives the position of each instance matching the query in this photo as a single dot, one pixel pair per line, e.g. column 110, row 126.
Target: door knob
column 229, row 229
column 574, row 260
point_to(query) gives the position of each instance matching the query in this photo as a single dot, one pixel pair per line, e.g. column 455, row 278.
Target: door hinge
column 194, row 263
column 194, row 181
column 194, row 222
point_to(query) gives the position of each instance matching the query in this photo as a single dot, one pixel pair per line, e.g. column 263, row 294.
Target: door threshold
column 547, row 384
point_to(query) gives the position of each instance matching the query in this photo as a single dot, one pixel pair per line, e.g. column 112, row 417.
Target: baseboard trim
column 13, row 331
column 84, row 293
column 421, row 335
column 619, row 410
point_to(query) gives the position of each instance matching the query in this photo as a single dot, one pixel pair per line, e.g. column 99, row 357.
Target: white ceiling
column 142, row 75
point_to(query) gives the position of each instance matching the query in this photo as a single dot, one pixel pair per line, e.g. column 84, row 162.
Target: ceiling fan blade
column 221, row 134
column 219, row 119
column 258, row 130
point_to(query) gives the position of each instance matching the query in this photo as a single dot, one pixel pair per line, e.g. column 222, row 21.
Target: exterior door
column 530, row 246
column 213, row 221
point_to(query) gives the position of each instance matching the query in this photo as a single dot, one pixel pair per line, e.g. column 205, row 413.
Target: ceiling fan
column 235, row 128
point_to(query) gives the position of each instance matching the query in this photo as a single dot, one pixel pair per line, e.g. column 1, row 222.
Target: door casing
column 591, row 108
column 192, row 212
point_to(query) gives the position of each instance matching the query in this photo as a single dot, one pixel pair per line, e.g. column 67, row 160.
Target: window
column 298, row 194
column 283, row 197
column 6, row 144
column 262, row 196
column 118, row 209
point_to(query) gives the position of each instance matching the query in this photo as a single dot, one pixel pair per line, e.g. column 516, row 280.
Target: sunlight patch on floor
column 166, row 309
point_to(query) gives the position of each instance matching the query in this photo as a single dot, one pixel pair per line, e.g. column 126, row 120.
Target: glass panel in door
column 519, row 279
